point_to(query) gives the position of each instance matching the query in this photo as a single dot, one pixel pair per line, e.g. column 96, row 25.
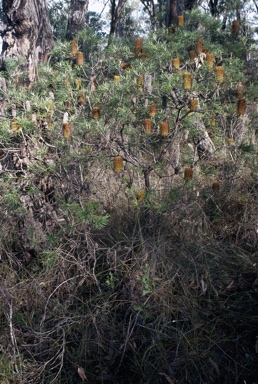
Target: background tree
column 27, row 33
column 76, row 17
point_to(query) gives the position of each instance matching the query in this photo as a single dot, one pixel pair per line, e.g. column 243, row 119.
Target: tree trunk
column 76, row 17
column 116, row 11
column 176, row 8
column 27, row 33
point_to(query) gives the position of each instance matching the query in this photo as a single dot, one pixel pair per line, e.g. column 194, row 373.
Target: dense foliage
column 129, row 210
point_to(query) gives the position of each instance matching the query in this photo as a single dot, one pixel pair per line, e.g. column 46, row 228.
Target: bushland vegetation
column 129, row 210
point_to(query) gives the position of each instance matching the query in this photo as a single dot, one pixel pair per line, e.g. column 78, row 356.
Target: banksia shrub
column 219, row 73
column 215, row 186
column 95, row 112
column 153, row 110
column 187, row 80
column 79, row 58
column 180, row 21
column 210, row 60
column 164, row 128
column 116, row 79
column 66, row 130
column 73, row 47
column 147, row 123
column 141, row 196
column 192, row 55
column 241, row 107
column 199, row 46
column 176, row 63
column 118, row 164
column 138, row 46
column 235, row 28
column 188, row 174
column 140, row 82
column 193, row 105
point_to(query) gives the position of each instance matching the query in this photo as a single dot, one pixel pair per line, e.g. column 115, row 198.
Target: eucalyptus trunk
column 26, row 33
column 76, row 17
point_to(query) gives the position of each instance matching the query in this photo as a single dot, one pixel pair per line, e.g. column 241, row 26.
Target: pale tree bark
column 76, row 17
column 27, row 33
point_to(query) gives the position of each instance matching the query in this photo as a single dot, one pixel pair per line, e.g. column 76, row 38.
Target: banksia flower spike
column 66, row 130
column 192, row 55
column 176, row 63
column 147, row 123
column 81, row 98
column 170, row 30
column 180, row 21
column 193, row 105
column 78, row 83
column 95, row 112
column 199, row 46
column 138, row 46
column 116, row 79
column 118, row 164
column 73, row 47
column 213, row 121
column 79, row 58
column 14, row 126
column 140, row 82
column 219, row 72
column 187, row 80
column 215, row 186
column 153, row 110
column 164, row 128
column 143, row 56
column 210, row 60
column 141, row 196
column 241, row 107
column 188, row 174
column 231, row 141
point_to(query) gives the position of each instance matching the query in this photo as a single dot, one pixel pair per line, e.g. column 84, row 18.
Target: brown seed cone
column 188, row 174
column 95, row 112
column 215, row 186
column 235, row 28
column 241, row 107
column 192, row 55
column 148, row 126
column 66, row 130
column 164, row 128
column 138, row 46
column 199, row 46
